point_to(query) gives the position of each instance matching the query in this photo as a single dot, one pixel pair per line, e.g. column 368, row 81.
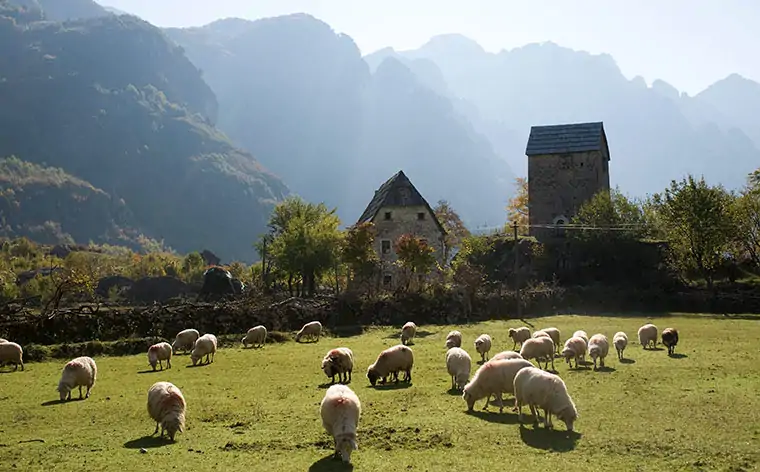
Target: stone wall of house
column 391, row 223
column 558, row 184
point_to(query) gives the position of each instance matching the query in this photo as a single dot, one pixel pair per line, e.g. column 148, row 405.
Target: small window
column 387, row 215
column 420, row 216
column 387, row 279
column 386, row 246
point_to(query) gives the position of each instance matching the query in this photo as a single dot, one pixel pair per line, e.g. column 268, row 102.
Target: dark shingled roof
column 392, row 193
column 568, row 138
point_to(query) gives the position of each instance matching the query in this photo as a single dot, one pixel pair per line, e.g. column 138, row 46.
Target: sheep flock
column 510, row 372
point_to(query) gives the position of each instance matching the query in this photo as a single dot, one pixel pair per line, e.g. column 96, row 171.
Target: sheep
column 11, row 353
column 311, row 330
column 620, row 340
column 458, row 365
column 506, row 355
column 493, row 377
column 483, row 346
column 670, row 339
column 581, row 334
column 340, row 362
column 648, row 334
column 453, row 339
column 408, row 332
column 547, row 391
column 519, row 336
column 160, row 352
column 185, row 340
column 553, row 333
column 575, row 348
column 166, row 406
column 204, row 346
column 256, row 336
column 538, row 348
column 3, row 340
column 79, row 372
column 391, row 361
column 340, row 410
column 598, row 347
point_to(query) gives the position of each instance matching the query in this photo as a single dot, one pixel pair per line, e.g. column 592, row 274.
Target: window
column 387, row 215
column 420, row 216
column 386, row 246
column 387, row 279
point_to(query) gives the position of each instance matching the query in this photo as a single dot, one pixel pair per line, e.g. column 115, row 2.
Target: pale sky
column 688, row 43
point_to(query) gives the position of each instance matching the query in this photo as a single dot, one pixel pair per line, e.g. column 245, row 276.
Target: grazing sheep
column 408, row 332
column 79, row 372
column 553, row 333
column 493, row 378
column 519, row 335
column 11, row 353
column 547, row 391
column 506, row 355
column 310, row 330
column 256, row 336
column 620, row 340
column 670, row 339
column 204, row 346
column 538, row 348
column 391, row 361
column 598, row 347
column 3, row 340
column 581, row 334
column 160, row 352
column 340, row 410
column 575, row 348
column 458, row 365
column 166, row 405
column 648, row 334
column 340, row 362
column 483, row 346
column 454, row 339
column 185, row 340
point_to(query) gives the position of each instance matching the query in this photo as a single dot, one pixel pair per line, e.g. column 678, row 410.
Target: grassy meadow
column 258, row 409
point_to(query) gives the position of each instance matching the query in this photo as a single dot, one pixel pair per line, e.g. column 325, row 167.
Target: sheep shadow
column 655, row 349
column 606, row 370
column 677, row 356
column 625, row 360
column 151, row 371
column 191, row 366
column 148, row 442
column 418, row 334
column 586, row 363
column 454, row 392
column 548, row 439
column 330, row 463
column 327, row 385
column 392, row 386
column 495, row 417
column 61, row 402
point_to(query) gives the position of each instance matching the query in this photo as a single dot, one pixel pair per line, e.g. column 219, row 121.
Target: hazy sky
column 688, row 43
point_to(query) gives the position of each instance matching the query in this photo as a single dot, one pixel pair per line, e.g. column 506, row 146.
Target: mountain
column 302, row 99
column 64, row 10
column 126, row 117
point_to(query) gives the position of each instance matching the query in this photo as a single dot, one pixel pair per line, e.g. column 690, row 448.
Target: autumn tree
column 517, row 209
column 414, row 255
column 452, row 223
column 358, row 253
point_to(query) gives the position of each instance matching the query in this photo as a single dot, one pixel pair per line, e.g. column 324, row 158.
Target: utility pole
column 518, row 297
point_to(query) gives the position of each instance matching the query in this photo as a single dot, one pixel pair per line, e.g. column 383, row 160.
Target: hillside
column 112, row 102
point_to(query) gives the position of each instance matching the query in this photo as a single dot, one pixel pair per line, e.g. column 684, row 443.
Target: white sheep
column 3, row 340
column 547, row 391
column 575, row 348
column 620, row 340
column 581, row 334
column 185, row 340
column 553, row 333
column 256, row 336
column 539, row 348
column 340, row 362
column 458, row 365
column 340, row 410
column 310, row 330
column 11, row 353
column 493, row 378
column 453, row 339
column 519, row 335
column 483, row 346
column 79, row 372
column 598, row 347
column 408, row 332
column 506, row 355
column 166, row 406
column 391, row 361
column 160, row 352
column 648, row 334
column 204, row 346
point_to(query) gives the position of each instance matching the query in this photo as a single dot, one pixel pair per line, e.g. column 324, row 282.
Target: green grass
column 259, row 409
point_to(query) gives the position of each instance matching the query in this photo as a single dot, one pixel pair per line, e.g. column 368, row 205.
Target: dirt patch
column 388, row 438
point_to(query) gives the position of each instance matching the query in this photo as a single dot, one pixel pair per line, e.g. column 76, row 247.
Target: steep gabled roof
column 397, row 191
column 567, row 138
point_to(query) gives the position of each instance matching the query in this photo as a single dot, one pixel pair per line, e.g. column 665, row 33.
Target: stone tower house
column 397, row 208
column 567, row 165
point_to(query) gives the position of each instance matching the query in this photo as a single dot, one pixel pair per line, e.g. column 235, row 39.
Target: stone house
column 398, row 208
column 567, row 165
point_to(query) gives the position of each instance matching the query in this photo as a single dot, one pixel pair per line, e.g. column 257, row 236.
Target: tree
column 414, row 255
column 358, row 252
column 746, row 212
column 455, row 229
column 517, row 209
column 609, row 210
column 754, row 178
column 699, row 225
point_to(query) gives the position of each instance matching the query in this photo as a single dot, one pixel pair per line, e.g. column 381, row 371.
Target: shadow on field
column 419, row 334
column 191, row 366
column 454, row 392
column 496, row 417
column 391, row 386
column 147, row 442
column 330, row 463
column 327, row 385
column 60, row 402
column 655, row 349
column 606, row 370
column 549, row 439
column 150, row 371
column 678, row 356
column 625, row 360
